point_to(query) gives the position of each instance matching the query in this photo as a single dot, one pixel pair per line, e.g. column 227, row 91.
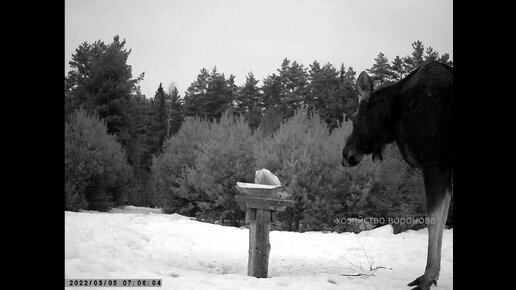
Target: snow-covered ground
column 142, row 243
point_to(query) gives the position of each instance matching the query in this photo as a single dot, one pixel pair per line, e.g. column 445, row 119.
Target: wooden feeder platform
column 261, row 203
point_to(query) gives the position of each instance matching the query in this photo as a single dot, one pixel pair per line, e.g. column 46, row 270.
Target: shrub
column 399, row 192
column 96, row 169
column 169, row 168
column 224, row 158
column 200, row 165
column 270, row 122
column 307, row 159
column 197, row 172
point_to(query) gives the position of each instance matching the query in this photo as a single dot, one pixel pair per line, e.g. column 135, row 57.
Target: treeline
column 185, row 153
column 199, row 167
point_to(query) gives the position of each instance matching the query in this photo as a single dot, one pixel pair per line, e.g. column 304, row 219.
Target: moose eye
column 353, row 117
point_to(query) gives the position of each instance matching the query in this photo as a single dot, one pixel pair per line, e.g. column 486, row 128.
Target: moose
column 416, row 113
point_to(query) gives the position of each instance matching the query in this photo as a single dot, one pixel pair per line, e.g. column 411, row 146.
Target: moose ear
column 364, row 87
column 377, row 156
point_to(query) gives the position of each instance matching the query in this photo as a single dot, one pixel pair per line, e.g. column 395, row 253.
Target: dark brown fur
column 416, row 113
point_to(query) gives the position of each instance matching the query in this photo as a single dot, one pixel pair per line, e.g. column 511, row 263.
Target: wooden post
column 259, row 246
column 260, row 213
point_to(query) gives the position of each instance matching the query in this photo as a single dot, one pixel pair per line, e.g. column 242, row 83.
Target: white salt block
column 264, row 176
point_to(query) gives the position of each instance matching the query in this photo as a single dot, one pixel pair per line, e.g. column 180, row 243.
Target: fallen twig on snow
column 370, row 273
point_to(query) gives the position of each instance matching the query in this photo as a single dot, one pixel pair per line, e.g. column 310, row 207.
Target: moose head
column 371, row 123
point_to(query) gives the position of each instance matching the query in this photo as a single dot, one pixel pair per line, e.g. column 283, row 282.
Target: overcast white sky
column 171, row 40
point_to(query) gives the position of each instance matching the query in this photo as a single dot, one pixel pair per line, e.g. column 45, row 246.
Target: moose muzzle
column 350, row 157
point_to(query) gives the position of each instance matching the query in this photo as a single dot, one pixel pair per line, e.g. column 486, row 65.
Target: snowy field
column 142, row 243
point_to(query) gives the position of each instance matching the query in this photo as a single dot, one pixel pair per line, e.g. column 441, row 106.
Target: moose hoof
column 423, row 282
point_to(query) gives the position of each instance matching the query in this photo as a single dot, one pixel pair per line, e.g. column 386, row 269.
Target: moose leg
column 436, row 201
column 446, row 207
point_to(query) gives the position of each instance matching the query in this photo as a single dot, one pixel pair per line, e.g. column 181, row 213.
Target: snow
column 256, row 185
column 142, row 243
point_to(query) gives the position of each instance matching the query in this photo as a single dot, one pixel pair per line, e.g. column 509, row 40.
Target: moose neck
column 382, row 103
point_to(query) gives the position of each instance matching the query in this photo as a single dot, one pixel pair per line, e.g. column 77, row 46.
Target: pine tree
column 96, row 169
column 105, row 81
column 398, row 68
column 415, row 60
column 78, row 82
column 210, row 95
column 445, row 58
column 431, row 55
column 417, row 54
column 100, row 80
column 141, row 113
column 168, row 168
column 351, row 75
column 221, row 161
column 407, row 65
column 272, row 92
column 381, row 71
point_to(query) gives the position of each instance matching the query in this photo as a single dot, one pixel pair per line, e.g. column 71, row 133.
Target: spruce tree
column 232, row 91
column 315, row 98
column 346, row 98
column 342, row 73
column 323, row 93
column 161, row 119
column 294, row 86
column 219, row 96
column 176, row 112
column 249, row 103
column 196, row 95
